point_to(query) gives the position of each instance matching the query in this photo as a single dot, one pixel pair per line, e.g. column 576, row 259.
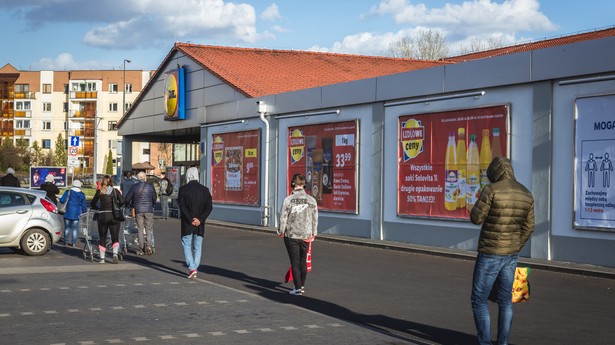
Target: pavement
column 359, row 292
column 546, row 265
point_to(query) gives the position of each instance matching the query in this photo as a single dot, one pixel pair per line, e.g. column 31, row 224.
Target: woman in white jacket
column 298, row 226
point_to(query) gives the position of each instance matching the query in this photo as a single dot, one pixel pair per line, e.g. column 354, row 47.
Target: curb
column 545, row 265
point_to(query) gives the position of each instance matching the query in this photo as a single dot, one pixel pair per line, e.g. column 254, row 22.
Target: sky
column 101, row 34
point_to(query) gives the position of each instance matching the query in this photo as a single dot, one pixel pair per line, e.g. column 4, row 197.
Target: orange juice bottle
column 496, row 146
column 462, row 162
column 485, row 158
column 450, row 171
column 473, row 174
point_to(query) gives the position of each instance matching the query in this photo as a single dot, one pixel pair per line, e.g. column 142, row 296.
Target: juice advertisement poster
column 443, row 158
column 326, row 154
column 235, row 168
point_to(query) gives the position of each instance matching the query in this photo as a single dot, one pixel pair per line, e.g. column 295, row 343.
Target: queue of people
column 505, row 211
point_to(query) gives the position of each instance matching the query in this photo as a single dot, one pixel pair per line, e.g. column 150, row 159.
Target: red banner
column 443, row 159
column 235, row 168
column 326, row 155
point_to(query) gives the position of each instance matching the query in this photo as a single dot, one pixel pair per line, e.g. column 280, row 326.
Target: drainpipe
column 262, row 110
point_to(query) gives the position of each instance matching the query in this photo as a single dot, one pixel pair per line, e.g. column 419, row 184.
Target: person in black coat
column 51, row 189
column 9, row 180
column 195, row 205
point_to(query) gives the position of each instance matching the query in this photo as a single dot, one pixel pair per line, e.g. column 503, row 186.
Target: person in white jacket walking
column 298, row 226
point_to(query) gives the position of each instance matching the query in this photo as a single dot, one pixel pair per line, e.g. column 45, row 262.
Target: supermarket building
column 373, row 141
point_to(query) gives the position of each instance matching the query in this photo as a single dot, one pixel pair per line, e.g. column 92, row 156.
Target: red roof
column 528, row 46
column 260, row 72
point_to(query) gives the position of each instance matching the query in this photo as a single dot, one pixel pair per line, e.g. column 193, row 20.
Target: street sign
column 72, row 151
column 74, row 141
column 73, row 161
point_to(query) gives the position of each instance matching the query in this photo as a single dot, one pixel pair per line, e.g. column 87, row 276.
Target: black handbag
column 116, row 209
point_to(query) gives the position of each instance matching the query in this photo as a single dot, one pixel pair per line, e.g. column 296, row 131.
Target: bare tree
column 427, row 45
column 478, row 45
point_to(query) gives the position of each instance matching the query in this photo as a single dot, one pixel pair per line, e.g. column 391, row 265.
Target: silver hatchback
column 28, row 220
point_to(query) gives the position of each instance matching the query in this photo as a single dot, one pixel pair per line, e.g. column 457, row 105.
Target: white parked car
column 29, row 222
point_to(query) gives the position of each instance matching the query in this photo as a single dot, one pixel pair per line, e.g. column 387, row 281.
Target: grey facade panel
column 410, row 84
column 361, row 91
column 299, row 100
column 217, row 94
column 484, row 73
column 579, row 59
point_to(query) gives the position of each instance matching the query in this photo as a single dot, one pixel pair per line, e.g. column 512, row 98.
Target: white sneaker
column 297, row 292
column 303, row 289
column 102, row 261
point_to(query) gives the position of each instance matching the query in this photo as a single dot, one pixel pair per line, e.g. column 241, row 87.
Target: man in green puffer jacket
column 506, row 211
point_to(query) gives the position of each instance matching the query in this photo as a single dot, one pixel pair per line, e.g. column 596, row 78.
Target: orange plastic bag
column 520, row 289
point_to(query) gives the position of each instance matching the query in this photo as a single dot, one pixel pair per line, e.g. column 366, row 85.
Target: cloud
column 271, row 13
column 143, row 23
column 66, row 62
column 459, row 23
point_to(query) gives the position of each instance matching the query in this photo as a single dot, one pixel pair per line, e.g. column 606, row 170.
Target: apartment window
column 46, row 143
column 128, row 88
column 112, row 125
column 22, row 124
column 146, row 151
column 113, row 107
column 46, row 106
column 65, row 125
column 113, row 88
column 46, row 88
column 127, row 106
column 22, row 87
column 23, row 105
column 65, row 89
column 46, row 125
column 65, row 107
column 83, row 86
column 23, row 141
column 112, row 144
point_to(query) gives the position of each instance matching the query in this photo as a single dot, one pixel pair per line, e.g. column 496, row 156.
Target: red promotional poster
column 443, row 160
column 235, row 168
column 326, row 154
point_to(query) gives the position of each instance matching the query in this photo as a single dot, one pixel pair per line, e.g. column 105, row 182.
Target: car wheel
column 35, row 242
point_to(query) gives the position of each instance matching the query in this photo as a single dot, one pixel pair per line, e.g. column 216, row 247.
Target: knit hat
column 192, row 174
column 77, row 183
column 49, row 178
column 10, row 171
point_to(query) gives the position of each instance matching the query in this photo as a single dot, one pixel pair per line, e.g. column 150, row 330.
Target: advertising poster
column 38, row 175
column 174, row 175
column 594, row 151
column 443, row 160
column 326, row 154
column 235, row 168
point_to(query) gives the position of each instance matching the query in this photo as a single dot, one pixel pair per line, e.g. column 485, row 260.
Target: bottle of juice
column 485, row 158
column 450, row 171
column 496, row 146
column 462, row 162
column 473, row 174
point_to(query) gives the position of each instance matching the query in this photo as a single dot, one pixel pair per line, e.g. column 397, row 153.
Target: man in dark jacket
column 9, row 180
column 506, row 211
column 50, row 187
column 195, row 204
column 142, row 196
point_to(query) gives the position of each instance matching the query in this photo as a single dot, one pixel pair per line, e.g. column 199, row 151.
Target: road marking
column 71, row 268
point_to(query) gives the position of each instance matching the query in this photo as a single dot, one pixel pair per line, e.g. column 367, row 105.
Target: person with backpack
column 166, row 189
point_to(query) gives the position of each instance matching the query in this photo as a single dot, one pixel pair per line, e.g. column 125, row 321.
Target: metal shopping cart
column 88, row 224
column 130, row 235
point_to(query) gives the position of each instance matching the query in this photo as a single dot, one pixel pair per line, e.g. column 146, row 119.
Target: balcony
column 23, row 113
column 25, row 95
column 83, row 94
column 23, row 132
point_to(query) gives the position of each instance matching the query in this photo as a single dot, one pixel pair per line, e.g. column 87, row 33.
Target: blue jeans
column 192, row 250
column 490, row 269
column 71, row 224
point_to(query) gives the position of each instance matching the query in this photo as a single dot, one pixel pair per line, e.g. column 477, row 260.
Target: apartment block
column 81, row 104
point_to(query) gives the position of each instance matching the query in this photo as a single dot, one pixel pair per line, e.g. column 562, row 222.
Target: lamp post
column 124, row 86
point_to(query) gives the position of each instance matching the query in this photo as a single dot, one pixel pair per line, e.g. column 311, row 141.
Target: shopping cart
column 88, row 224
column 130, row 235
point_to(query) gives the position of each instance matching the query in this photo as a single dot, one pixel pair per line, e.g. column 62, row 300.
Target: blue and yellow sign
column 218, row 150
column 412, row 134
column 174, row 95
